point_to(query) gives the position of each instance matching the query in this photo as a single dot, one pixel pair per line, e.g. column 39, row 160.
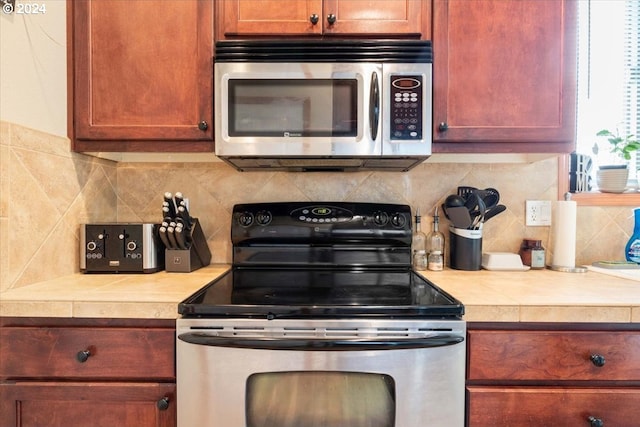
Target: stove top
column 321, row 260
column 278, row 293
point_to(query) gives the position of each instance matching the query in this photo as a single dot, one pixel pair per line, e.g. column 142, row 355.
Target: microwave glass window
column 319, row 398
column 295, row 108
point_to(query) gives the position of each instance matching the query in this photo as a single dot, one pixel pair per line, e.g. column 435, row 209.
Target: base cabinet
column 553, row 406
column 553, row 375
column 87, row 372
column 54, row 404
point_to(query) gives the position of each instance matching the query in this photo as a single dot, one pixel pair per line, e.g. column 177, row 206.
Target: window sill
column 592, row 198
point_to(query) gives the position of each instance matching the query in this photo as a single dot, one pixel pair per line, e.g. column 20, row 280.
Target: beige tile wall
column 46, row 192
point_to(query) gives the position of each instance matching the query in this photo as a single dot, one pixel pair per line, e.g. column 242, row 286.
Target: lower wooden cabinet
column 553, row 406
column 87, row 372
column 56, row 404
column 526, row 374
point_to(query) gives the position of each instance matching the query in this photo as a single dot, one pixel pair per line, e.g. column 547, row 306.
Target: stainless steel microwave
column 323, row 104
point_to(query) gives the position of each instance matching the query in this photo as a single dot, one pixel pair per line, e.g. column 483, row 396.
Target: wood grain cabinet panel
column 542, row 406
column 127, row 378
column 87, row 404
column 320, row 17
column 142, row 71
column 554, row 355
column 553, row 375
column 112, row 353
column 504, row 75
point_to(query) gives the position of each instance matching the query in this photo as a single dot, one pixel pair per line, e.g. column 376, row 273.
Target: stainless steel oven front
column 320, row 372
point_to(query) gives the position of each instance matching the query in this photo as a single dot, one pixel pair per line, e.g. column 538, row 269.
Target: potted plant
column 612, row 178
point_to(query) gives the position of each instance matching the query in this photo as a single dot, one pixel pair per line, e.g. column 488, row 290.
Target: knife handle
column 180, row 238
column 162, row 231
column 172, row 237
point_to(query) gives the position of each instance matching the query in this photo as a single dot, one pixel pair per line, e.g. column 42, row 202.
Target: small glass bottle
column 418, row 245
column 435, row 246
column 532, row 253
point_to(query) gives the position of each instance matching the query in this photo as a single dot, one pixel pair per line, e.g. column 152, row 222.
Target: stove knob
column 380, row 218
column 245, row 219
column 263, row 218
column 397, row 220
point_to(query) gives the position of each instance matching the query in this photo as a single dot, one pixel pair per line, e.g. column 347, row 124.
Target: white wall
column 33, row 68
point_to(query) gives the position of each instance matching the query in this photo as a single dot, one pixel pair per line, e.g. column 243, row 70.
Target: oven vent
column 311, row 332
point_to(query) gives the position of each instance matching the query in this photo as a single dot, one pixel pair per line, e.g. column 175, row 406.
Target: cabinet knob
column 203, row 125
column 443, row 127
column 595, row 422
column 163, row 404
column 598, row 360
column 314, row 19
column 83, row 356
column 331, row 18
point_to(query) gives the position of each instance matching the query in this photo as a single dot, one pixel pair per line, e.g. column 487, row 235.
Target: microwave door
column 298, row 109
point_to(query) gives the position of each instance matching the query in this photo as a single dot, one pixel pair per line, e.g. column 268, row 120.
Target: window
column 608, row 73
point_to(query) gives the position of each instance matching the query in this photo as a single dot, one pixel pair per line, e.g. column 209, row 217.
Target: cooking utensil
column 490, row 213
column 458, row 216
column 454, row 200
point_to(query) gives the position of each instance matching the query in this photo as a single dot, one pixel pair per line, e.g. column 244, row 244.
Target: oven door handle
column 300, row 344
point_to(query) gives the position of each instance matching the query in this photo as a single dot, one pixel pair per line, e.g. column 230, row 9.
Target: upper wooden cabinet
column 320, row 17
column 142, row 74
column 504, row 75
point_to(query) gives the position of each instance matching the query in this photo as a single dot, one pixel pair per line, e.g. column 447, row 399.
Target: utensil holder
column 187, row 260
column 465, row 249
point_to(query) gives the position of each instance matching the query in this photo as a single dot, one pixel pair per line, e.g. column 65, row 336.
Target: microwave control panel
column 406, row 107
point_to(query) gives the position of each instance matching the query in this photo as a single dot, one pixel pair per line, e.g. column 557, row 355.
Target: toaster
column 120, row 248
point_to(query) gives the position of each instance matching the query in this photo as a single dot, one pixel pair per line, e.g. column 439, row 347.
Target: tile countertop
column 488, row 296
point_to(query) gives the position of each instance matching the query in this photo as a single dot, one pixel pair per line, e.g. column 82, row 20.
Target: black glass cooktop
column 300, row 293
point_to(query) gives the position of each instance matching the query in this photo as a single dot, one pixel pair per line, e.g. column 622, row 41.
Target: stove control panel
column 335, row 221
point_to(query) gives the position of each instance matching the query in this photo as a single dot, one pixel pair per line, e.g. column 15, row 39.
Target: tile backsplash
column 46, row 191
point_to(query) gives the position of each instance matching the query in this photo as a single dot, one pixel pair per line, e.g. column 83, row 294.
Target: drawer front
column 553, row 355
column 52, row 404
column 523, row 406
column 102, row 353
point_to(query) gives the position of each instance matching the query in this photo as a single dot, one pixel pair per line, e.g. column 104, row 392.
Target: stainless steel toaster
column 120, row 248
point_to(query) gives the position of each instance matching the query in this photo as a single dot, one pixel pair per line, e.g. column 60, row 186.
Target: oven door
column 298, row 109
column 329, row 373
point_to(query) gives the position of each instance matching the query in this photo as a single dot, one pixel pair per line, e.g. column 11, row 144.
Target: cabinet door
column 143, row 70
column 269, row 17
column 504, row 73
column 84, row 404
column 274, row 17
column 539, row 406
column 374, row 17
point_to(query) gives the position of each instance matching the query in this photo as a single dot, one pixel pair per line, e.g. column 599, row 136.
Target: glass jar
column 420, row 260
column 435, row 261
column 533, row 254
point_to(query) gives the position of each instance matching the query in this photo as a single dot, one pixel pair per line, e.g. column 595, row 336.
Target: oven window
column 295, row 108
column 318, row 398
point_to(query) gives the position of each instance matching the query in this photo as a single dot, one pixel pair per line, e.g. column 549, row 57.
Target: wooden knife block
column 187, row 260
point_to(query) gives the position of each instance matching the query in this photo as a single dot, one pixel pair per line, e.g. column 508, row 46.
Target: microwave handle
column 321, row 344
column 374, row 105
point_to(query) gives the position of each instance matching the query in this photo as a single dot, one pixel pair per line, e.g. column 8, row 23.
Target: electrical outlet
column 538, row 213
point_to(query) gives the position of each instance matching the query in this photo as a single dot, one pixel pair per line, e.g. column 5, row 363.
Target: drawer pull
column 595, row 422
column 83, row 356
column 163, row 404
column 598, row 360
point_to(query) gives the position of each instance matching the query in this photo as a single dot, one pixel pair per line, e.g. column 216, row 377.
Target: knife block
column 187, row 260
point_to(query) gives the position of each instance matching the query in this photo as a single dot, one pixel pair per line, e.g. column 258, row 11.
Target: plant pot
column 612, row 179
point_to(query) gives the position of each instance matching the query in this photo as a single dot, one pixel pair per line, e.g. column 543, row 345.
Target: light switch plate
column 538, row 213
